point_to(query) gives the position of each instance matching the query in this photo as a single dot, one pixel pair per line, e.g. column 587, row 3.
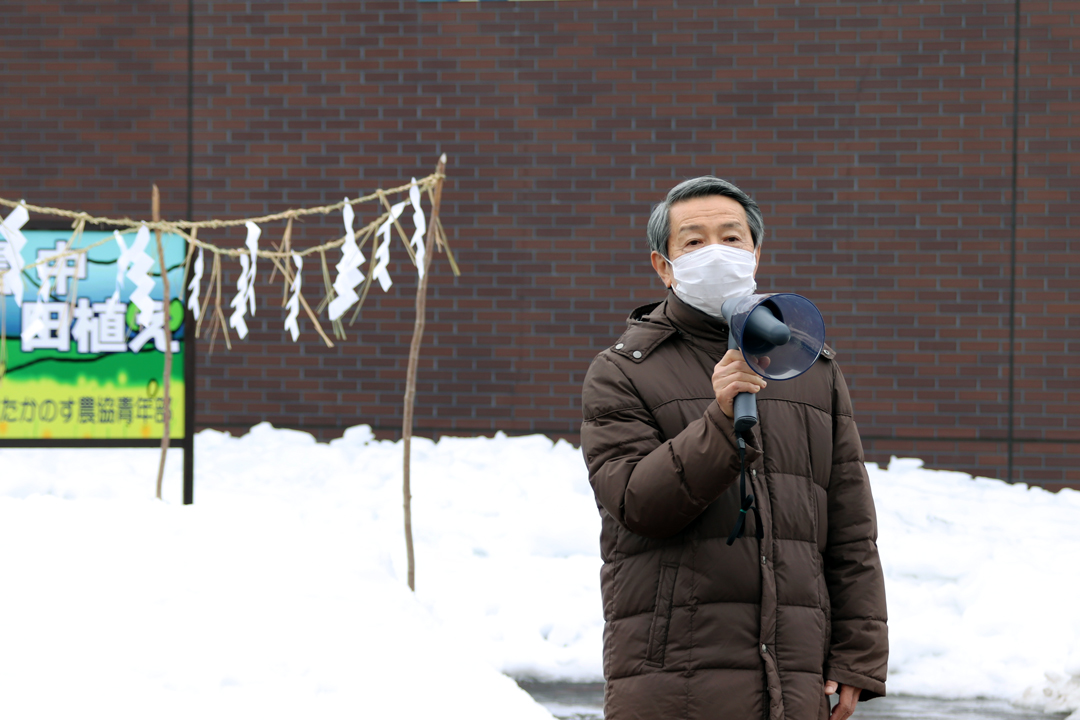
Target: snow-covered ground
column 281, row 591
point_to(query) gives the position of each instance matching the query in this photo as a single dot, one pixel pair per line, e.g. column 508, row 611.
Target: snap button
column 764, row 560
column 764, row 650
column 619, row 346
column 637, row 354
column 753, row 472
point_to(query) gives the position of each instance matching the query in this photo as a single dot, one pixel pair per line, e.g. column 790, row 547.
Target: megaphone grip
column 745, row 412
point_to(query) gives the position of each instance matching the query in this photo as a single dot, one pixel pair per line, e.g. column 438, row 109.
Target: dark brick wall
column 877, row 137
column 95, row 105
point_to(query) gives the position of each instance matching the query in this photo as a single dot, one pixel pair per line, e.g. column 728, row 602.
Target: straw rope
column 279, row 256
column 165, row 225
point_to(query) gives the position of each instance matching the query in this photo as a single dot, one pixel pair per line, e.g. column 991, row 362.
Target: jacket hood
column 649, row 325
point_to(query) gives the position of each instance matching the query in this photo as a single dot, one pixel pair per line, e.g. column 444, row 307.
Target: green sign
column 82, row 349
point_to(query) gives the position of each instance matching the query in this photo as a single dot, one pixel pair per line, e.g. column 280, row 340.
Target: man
column 792, row 609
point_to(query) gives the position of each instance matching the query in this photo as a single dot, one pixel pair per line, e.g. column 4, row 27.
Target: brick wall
column 877, row 137
column 95, row 104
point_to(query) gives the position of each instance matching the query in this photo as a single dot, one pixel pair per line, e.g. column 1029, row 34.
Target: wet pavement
column 572, row 701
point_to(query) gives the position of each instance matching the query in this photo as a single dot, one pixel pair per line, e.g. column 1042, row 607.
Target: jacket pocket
column 821, row 503
column 658, row 631
column 826, row 612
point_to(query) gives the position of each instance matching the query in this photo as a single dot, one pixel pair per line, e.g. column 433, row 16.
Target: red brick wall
column 94, row 104
column 877, row 137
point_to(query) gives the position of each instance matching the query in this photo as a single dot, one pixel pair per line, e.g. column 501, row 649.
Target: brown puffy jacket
column 696, row 628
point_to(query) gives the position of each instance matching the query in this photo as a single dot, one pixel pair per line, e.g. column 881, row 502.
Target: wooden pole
column 414, row 358
column 155, row 205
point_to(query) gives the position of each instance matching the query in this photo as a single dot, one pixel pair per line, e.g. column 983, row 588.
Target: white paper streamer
column 294, row 300
column 349, row 274
column 252, row 243
column 421, row 227
column 37, row 319
column 10, row 228
column 140, row 275
column 245, row 286
column 193, row 286
column 239, row 302
column 382, row 255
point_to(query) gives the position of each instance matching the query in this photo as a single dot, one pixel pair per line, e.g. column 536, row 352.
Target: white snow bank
column 983, row 581
column 272, row 597
column 282, row 587
column 1058, row 694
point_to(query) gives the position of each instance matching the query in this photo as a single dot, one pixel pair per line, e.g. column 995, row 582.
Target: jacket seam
column 845, row 668
column 799, row 402
column 861, row 617
column 791, row 604
column 612, row 412
column 833, row 546
column 686, row 605
column 686, row 399
column 706, row 668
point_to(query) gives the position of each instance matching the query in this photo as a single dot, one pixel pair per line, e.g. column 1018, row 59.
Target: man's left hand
column 849, row 698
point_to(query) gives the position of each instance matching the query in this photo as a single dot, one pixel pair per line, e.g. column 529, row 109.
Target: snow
column 983, row 583
column 281, row 590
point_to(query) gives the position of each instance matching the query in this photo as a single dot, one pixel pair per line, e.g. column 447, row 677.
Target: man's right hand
column 732, row 376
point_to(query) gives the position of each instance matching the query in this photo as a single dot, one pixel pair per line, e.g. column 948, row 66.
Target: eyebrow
column 730, row 224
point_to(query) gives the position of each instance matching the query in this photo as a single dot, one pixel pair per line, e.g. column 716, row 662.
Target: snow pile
column 273, row 597
column 1060, row 693
column 282, row 589
column 983, row 581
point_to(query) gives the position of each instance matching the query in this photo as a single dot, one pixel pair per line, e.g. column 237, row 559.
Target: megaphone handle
column 745, row 406
column 745, row 412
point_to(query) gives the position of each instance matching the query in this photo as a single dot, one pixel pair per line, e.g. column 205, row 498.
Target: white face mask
column 706, row 277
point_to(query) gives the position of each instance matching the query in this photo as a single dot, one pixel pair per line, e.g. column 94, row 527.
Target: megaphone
column 780, row 336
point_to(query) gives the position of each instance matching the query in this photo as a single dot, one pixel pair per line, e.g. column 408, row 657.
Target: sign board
column 83, row 358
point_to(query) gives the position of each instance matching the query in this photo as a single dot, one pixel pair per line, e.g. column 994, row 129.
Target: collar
column 701, row 328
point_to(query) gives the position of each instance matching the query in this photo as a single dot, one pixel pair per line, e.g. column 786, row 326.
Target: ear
column 757, row 259
column 662, row 268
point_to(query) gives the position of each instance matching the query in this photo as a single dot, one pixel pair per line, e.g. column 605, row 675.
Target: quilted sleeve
column 651, row 485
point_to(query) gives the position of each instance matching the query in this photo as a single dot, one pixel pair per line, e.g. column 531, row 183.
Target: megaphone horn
column 780, row 336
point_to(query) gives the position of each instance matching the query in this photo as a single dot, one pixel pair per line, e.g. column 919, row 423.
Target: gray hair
column 659, row 228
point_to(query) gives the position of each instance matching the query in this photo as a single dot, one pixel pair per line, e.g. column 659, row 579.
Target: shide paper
column 294, row 300
column 349, row 274
column 245, row 285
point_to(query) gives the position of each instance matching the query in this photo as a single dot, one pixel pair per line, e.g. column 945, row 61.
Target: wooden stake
column 155, row 206
column 414, row 359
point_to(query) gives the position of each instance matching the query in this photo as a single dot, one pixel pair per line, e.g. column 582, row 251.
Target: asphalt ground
column 585, row 701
